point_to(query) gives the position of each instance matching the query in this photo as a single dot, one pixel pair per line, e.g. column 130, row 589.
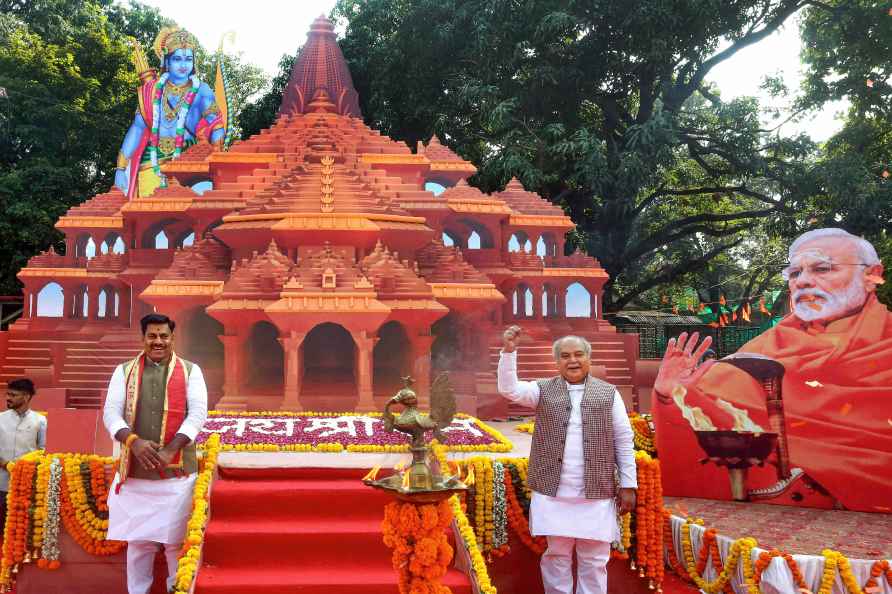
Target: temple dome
column 320, row 67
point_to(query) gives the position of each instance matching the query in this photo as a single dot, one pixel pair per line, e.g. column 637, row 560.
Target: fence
column 652, row 338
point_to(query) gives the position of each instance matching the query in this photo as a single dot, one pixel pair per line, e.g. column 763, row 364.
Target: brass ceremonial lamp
column 419, row 486
column 739, row 450
column 419, row 483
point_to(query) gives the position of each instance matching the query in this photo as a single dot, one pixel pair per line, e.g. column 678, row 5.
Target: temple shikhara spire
column 317, row 270
column 319, row 68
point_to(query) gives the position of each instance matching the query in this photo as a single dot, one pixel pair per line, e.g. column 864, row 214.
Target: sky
column 271, row 28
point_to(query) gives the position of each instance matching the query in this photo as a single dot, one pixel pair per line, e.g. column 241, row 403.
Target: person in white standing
column 582, row 436
column 156, row 405
column 21, row 430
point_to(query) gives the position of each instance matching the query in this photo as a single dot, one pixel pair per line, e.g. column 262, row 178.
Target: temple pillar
column 233, row 357
column 421, row 366
column 291, row 345
column 365, row 343
column 537, row 302
column 560, row 303
column 68, row 301
column 26, row 303
column 70, row 248
column 534, row 243
column 78, row 312
column 498, row 315
column 93, row 306
column 124, row 305
column 595, row 303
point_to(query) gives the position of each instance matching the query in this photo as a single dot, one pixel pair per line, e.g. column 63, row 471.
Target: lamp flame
column 469, row 479
column 373, row 474
column 406, row 480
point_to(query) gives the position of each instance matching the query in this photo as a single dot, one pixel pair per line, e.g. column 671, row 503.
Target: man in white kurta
column 150, row 509
column 571, row 520
column 21, row 430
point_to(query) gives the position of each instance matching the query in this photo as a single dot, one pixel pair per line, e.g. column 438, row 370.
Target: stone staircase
column 87, row 368
column 81, row 363
column 22, row 354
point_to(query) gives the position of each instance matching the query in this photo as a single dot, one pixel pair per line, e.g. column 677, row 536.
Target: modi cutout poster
column 800, row 415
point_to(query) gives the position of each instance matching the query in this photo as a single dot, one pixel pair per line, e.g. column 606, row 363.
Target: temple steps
column 535, row 360
column 84, row 398
column 23, row 354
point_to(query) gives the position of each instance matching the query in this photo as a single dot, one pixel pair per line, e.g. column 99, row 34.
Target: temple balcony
column 574, row 260
column 111, row 263
column 150, row 258
column 523, row 261
column 483, row 258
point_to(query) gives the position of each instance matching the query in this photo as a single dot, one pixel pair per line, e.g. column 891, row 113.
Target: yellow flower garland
column 40, row 487
column 478, row 563
column 742, row 546
column 187, row 567
column 526, row 427
column 741, row 551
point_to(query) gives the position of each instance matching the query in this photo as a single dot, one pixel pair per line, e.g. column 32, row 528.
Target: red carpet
column 312, row 531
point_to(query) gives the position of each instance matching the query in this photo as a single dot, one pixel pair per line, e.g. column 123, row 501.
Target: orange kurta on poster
column 837, row 392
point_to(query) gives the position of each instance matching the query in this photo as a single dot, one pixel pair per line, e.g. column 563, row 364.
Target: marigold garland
column 87, row 527
column 478, row 563
column 642, row 432
column 18, row 500
column 742, row 547
column 765, row 559
column 518, row 521
column 878, row 569
column 38, row 509
column 649, row 519
column 421, row 551
column 525, row 427
column 190, row 556
column 691, row 569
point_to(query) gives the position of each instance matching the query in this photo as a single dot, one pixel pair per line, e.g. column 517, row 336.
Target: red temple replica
column 314, row 274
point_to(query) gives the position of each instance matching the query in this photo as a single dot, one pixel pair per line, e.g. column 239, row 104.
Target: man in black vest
column 582, row 437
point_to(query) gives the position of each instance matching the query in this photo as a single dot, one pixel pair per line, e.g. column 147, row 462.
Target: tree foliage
column 66, row 69
column 261, row 113
column 71, row 96
column 601, row 106
column 847, row 48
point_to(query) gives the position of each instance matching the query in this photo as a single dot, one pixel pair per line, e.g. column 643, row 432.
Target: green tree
column 261, row 113
column 600, row 106
column 70, row 87
column 71, row 94
column 847, row 47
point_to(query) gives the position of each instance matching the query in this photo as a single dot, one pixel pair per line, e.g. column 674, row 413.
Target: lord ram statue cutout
column 802, row 414
column 175, row 109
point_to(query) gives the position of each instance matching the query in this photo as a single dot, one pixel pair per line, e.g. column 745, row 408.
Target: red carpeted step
column 295, row 473
column 299, row 530
column 342, row 579
column 312, row 501
column 311, row 543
